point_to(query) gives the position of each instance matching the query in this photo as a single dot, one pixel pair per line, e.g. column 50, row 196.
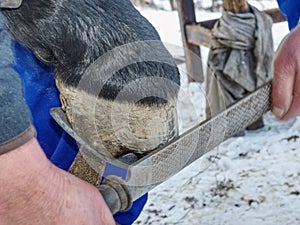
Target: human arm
column 286, row 81
column 34, row 191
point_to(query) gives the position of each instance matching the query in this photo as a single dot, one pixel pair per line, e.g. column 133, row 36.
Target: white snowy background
column 250, row 180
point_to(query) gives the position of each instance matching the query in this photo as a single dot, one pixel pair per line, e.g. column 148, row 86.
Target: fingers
column 286, row 81
column 282, row 85
column 294, row 109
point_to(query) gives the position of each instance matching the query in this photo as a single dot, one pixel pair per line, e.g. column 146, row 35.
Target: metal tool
column 159, row 165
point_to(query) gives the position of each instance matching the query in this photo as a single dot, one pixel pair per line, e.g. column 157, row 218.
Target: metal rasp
column 159, row 165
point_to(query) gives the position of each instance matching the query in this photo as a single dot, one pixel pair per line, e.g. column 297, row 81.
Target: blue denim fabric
column 290, row 8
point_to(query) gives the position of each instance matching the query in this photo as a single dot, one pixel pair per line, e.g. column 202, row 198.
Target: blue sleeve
column 128, row 217
column 291, row 9
column 41, row 95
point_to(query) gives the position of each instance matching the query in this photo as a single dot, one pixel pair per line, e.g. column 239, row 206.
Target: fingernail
column 278, row 112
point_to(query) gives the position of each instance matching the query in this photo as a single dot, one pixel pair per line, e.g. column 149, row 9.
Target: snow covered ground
column 250, row 180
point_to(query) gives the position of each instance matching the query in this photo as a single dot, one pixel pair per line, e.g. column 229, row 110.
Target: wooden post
column 172, row 3
column 236, row 6
column 186, row 11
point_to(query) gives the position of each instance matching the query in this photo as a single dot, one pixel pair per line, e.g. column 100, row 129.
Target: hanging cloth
column 240, row 57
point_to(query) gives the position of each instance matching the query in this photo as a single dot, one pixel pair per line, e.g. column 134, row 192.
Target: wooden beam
column 200, row 33
column 276, row 15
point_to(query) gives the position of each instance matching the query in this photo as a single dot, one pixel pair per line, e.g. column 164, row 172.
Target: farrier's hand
column 33, row 191
column 286, row 81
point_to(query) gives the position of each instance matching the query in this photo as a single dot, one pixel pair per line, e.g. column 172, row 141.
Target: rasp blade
column 163, row 163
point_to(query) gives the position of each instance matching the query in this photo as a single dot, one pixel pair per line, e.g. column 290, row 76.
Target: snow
column 247, row 180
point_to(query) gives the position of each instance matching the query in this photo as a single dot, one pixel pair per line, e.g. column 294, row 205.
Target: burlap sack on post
column 240, row 58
